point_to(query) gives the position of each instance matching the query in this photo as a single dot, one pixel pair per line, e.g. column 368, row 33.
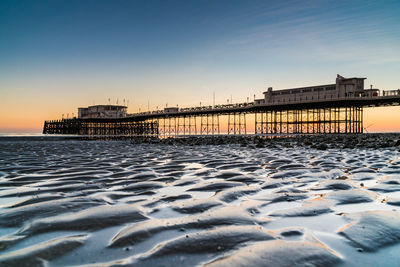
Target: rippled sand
column 70, row 202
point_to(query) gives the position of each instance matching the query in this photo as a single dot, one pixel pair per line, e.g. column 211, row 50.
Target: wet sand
column 315, row 201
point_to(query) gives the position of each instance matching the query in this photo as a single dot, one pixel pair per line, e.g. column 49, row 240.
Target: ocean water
column 112, row 203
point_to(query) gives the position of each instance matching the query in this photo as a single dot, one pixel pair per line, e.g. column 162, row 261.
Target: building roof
column 119, row 106
column 354, row 78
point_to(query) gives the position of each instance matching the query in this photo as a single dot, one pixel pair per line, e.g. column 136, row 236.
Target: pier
column 324, row 109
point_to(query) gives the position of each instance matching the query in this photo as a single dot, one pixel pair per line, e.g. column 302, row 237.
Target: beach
column 240, row 201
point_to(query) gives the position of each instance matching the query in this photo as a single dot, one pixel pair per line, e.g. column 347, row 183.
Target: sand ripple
column 70, row 202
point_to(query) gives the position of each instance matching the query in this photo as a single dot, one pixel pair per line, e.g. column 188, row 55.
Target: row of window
column 306, row 90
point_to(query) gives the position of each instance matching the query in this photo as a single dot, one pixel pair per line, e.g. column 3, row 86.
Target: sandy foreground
column 310, row 201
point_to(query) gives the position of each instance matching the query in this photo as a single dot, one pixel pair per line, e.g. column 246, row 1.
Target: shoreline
column 321, row 142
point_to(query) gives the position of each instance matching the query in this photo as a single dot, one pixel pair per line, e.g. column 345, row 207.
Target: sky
column 58, row 55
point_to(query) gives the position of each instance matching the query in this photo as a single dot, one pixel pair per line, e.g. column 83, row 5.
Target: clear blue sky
column 61, row 54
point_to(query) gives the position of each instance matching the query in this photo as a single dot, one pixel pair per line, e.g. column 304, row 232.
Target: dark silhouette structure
column 323, row 109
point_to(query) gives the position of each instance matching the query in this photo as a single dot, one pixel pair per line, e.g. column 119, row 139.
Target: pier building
column 344, row 87
column 102, row 111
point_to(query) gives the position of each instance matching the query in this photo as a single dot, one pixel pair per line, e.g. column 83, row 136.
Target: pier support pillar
column 237, row 123
column 209, row 124
column 307, row 121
